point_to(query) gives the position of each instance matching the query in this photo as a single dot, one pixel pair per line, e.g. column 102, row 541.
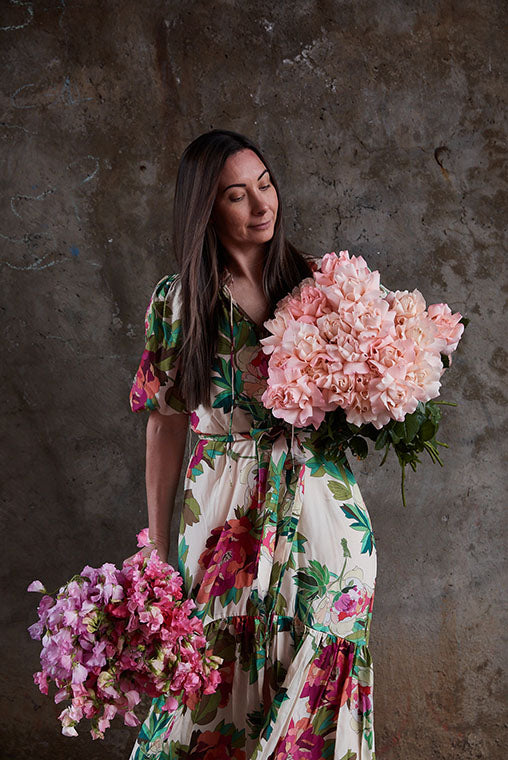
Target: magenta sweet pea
column 109, row 636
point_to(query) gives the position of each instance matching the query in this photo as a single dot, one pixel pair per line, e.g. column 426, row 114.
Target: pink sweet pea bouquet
column 110, row 635
column 344, row 349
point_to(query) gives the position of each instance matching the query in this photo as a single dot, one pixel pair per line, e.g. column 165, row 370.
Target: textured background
column 383, row 120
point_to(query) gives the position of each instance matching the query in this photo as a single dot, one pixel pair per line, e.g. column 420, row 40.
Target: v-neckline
column 260, row 328
column 227, row 276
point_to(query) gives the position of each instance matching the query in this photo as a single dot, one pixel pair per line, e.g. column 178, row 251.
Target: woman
column 275, row 543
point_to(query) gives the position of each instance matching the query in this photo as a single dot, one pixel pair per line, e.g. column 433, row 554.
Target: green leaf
column 281, row 606
column 361, row 523
column 191, row 511
column 322, row 720
column 356, row 636
column 340, row 491
column 428, row 430
column 256, row 721
column 223, row 345
column 298, row 542
column 320, row 571
column 206, row 709
column 359, row 447
column 306, row 581
column 412, row 425
column 399, row 430
column 381, row 439
column 345, row 548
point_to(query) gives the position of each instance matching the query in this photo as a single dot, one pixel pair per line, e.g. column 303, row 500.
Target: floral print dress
column 276, row 548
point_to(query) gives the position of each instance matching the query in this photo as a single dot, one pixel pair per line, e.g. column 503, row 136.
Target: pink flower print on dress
column 194, row 421
column 352, row 603
column 299, row 743
column 255, row 374
column 217, row 745
column 198, row 454
column 229, row 559
column 329, row 678
column 146, row 383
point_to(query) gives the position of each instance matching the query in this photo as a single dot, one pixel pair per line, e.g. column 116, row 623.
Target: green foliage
column 416, row 434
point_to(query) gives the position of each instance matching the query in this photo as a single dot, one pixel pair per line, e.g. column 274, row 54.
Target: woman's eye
column 265, row 187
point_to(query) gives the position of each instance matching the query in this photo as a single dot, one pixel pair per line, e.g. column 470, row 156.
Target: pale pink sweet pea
column 105, row 720
column 36, row 586
column 36, row 630
column 424, row 374
column 424, row 334
column 143, row 538
column 299, row 404
column 79, row 673
column 392, row 397
column 277, row 326
column 130, row 719
column 68, row 722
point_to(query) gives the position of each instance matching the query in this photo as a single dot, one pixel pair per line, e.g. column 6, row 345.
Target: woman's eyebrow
column 240, row 185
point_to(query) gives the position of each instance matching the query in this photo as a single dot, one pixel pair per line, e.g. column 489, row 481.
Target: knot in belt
column 278, row 450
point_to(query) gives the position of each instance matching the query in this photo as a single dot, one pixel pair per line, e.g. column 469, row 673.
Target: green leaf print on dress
column 360, row 522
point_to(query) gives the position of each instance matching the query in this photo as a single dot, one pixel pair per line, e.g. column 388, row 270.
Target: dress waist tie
column 274, row 440
column 281, row 451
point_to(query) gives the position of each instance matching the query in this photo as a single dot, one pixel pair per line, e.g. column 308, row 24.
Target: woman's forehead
column 242, row 166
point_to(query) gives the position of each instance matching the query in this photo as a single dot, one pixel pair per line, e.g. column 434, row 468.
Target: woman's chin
column 263, row 235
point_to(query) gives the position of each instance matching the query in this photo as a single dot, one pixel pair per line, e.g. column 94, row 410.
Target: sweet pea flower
column 36, row 586
column 112, row 634
column 79, row 673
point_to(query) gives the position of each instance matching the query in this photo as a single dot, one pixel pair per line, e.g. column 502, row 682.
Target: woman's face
column 245, row 209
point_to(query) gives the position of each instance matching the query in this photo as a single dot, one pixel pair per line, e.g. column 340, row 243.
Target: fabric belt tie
column 282, row 450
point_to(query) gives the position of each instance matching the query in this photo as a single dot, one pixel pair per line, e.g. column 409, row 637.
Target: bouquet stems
column 408, row 439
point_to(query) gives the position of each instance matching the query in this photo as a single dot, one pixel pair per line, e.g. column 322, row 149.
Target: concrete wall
column 384, row 123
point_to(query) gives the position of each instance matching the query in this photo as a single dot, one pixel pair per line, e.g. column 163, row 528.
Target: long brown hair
column 200, row 256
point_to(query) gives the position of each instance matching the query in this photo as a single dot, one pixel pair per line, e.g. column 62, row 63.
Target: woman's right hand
column 146, row 551
column 166, row 437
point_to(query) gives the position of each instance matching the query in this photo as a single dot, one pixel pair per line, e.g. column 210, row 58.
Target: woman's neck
column 246, row 266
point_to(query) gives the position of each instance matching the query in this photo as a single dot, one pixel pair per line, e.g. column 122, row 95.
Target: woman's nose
column 260, row 203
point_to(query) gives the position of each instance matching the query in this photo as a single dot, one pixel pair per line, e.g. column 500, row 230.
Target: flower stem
column 402, row 481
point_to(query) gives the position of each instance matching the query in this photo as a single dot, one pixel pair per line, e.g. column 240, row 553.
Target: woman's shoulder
column 166, row 286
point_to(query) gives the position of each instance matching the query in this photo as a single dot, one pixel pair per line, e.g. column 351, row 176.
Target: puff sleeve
column 155, row 384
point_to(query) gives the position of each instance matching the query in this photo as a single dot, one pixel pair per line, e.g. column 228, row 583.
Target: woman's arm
column 166, row 436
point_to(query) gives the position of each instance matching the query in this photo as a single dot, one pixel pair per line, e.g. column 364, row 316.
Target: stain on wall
column 384, row 122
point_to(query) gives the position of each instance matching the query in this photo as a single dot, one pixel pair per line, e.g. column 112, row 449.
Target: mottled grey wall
column 383, row 120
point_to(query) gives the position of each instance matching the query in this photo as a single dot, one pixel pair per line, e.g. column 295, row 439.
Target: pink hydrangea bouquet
column 109, row 636
column 357, row 361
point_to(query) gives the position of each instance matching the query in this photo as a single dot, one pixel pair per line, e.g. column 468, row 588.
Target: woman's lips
column 262, row 226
